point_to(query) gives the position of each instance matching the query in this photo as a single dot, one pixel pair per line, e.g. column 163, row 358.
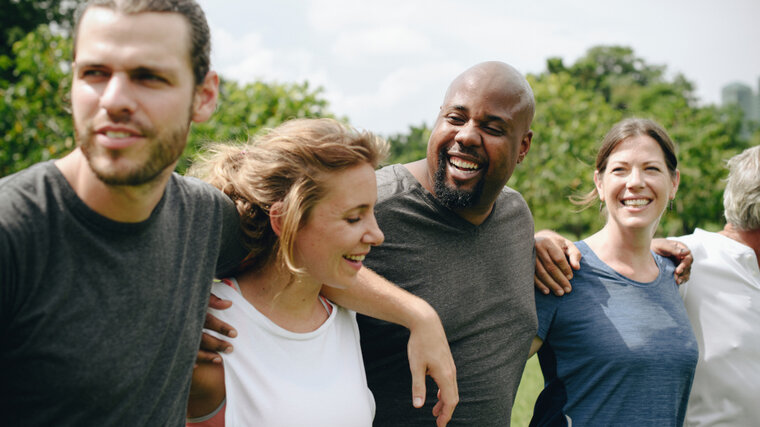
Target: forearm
column 376, row 297
column 206, row 390
column 428, row 349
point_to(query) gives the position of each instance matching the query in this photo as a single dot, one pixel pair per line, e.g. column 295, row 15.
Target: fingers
column 207, row 357
column 218, row 303
column 442, row 412
column 556, row 257
column 216, row 325
column 214, row 345
column 679, row 253
column 447, row 401
column 429, row 354
column 552, row 269
column 544, row 281
column 573, row 256
column 683, row 270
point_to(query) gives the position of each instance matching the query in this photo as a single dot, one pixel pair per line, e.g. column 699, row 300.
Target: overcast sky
column 386, row 64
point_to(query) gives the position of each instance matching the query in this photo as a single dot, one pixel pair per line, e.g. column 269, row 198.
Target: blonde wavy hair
column 287, row 164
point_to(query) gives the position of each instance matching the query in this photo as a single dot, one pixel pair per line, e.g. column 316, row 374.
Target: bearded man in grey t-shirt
column 461, row 240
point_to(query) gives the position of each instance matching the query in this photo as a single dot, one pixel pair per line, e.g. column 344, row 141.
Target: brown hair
column 199, row 50
column 621, row 131
column 287, row 164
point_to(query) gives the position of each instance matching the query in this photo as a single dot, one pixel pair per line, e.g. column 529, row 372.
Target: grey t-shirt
column 100, row 321
column 480, row 281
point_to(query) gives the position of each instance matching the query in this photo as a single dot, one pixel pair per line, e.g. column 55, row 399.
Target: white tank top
column 276, row 377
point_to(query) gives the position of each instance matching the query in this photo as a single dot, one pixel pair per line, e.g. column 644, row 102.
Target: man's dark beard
column 454, row 198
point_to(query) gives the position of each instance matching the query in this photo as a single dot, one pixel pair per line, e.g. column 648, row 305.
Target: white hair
column 741, row 199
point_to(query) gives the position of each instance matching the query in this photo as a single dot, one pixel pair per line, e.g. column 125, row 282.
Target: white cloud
column 382, row 63
column 379, row 41
column 337, row 15
column 246, row 59
column 408, row 95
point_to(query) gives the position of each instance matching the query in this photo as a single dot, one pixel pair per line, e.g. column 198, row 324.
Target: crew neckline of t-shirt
column 80, row 209
column 251, row 310
column 434, row 204
column 586, row 251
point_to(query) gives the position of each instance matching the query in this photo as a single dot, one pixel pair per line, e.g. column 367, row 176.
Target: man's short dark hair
column 200, row 36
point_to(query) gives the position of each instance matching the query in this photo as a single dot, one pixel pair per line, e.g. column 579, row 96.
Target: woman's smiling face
column 341, row 228
column 636, row 184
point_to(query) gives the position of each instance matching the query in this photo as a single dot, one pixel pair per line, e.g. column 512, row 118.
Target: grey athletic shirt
column 100, row 321
column 480, row 281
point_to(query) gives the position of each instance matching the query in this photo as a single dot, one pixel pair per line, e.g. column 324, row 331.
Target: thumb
column 418, row 384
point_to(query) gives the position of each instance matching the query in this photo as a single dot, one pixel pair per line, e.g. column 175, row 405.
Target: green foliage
column 409, row 147
column 577, row 105
column 568, row 122
column 575, row 108
column 34, row 123
column 20, row 17
column 245, row 110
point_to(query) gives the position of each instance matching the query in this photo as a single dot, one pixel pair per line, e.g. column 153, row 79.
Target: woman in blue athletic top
column 619, row 349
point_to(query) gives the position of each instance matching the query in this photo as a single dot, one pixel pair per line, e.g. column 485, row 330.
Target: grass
column 531, row 384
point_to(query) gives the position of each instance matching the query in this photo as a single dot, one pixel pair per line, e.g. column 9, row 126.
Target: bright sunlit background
column 385, row 65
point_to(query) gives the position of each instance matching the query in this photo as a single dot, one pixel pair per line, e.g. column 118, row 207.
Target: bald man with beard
column 460, row 239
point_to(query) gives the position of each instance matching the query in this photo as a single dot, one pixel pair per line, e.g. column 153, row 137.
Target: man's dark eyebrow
column 493, row 118
column 82, row 64
column 459, row 107
column 151, row 70
column 488, row 119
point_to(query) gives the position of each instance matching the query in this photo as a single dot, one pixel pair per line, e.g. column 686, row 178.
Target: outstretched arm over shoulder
column 428, row 347
column 557, row 257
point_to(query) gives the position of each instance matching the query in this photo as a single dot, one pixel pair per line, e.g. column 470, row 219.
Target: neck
column 626, row 252
column 293, row 305
column 749, row 238
column 120, row 203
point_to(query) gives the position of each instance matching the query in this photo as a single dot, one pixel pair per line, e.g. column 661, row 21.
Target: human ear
column 598, row 185
column 275, row 218
column 205, row 97
column 525, row 146
column 676, row 181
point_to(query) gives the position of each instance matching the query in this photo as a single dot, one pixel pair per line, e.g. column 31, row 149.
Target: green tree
column 246, row 109
column 577, row 105
column 35, row 119
column 568, row 122
column 34, row 122
column 408, row 147
column 21, row 17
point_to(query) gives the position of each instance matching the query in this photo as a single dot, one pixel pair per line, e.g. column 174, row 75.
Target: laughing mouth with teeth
column 355, row 258
column 636, row 202
column 463, row 164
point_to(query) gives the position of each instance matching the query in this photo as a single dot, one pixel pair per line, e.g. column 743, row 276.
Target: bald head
column 482, row 132
column 498, row 77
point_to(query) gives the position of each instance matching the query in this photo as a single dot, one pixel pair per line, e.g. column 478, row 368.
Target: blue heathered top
column 616, row 351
